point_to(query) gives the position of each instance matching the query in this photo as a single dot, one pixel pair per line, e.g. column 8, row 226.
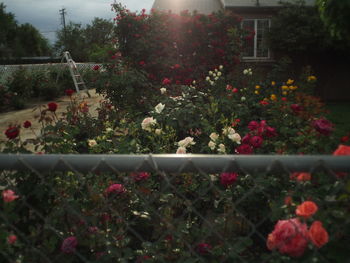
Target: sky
column 44, row 14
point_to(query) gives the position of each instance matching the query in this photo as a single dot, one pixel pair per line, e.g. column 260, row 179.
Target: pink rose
column 323, row 126
column 289, row 237
column 69, row 245
column 166, row 81
column 115, row 188
column 9, row 196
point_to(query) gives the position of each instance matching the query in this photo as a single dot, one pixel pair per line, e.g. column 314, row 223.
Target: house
column 256, row 17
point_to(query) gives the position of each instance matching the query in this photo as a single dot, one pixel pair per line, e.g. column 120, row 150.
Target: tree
column 335, row 14
column 20, row 40
column 86, row 43
column 72, row 39
column 7, row 32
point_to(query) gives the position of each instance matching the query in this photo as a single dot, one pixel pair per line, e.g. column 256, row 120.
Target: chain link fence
column 173, row 208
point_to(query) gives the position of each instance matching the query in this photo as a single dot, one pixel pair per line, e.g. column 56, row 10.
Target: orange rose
column 306, row 209
column 301, row 177
column 342, row 150
column 317, row 234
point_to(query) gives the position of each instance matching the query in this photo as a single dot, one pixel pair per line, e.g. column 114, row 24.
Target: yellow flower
column 284, row 87
column 273, row 97
column 311, row 78
column 293, row 87
column 284, row 93
column 273, row 83
column 257, row 87
column 290, row 81
column 256, row 92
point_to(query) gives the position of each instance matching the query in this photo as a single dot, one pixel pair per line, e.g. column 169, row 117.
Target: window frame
column 254, row 57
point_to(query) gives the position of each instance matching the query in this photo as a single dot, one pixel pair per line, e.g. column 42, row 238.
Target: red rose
column 253, row 125
column 301, row 177
column 227, row 179
column 342, row 150
column 306, row 209
column 52, row 106
column 27, row 124
column 9, row 196
column 289, row 237
column 12, row 132
column 345, row 139
column 140, row 176
column 166, row 81
column 256, row 141
column 69, row 92
column 270, row 132
column 11, row 239
column 296, row 108
column 244, row 149
column 203, row 248
column 96, row 67
column 318, row 235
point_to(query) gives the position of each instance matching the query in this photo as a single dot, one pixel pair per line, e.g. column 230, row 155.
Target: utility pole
column 63, row 22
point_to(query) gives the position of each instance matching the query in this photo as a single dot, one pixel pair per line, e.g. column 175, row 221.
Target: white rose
column 162, row 90
column 221, row 67
column 235, row 138
column 207, row 78
column 147, row 123
column 159, row 108
column 214, row 136
column 181, row 150
column 188, row 141
column 212, row 145
column 228, row 130
column 219, row 74
column 243, row 98
column 210, row 72
column 222, row 148
column 92, row 143
column 158, row 131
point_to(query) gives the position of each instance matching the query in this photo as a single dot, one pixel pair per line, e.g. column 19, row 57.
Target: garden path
column 33, row 112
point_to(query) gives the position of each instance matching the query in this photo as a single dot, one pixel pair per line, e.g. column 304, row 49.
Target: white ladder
column 77, row 78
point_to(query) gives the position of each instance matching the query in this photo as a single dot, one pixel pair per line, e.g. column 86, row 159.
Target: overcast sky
column 44, row 14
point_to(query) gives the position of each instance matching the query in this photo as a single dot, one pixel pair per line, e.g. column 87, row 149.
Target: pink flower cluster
column 255, row 138
column 291, row 237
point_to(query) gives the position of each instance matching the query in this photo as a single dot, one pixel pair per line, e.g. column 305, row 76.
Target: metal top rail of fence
column 174, row 208
column 173, row 162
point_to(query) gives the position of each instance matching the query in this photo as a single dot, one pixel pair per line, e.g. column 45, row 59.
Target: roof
column 176, row 6
column 259, row 3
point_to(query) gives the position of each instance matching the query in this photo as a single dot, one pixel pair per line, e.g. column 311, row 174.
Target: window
column 255, row 42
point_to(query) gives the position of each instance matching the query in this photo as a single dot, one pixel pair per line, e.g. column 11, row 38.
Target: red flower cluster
column 27, row 124
column 255, row 138
column 178, row 46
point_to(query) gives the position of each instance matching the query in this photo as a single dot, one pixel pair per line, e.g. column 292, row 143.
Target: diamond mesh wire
column 172, row 208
